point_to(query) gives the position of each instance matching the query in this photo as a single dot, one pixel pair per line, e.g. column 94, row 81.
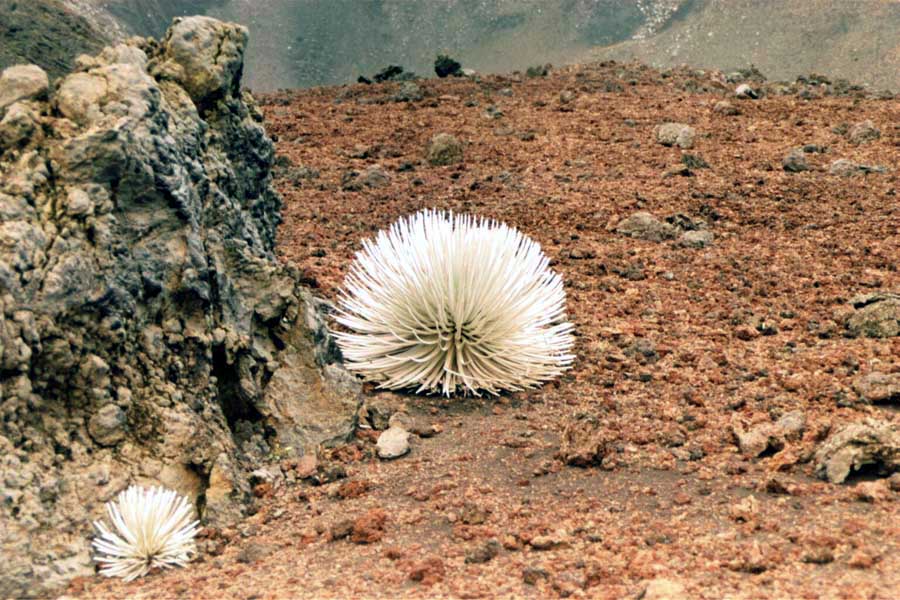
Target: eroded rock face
column 147, row 332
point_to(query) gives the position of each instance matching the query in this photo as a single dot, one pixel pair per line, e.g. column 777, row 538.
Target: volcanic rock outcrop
column 147, row 332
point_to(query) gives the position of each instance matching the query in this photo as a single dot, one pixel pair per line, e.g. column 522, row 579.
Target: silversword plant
column 151, row 527
column 448, row 303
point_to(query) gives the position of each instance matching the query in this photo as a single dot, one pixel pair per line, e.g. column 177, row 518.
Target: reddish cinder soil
column 669, row 348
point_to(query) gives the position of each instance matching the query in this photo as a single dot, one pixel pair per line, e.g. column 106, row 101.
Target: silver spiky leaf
column 447, row 303
column 151, row 527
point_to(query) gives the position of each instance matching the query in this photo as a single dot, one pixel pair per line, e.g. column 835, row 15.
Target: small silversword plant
column 453, row 303
column 151, row 527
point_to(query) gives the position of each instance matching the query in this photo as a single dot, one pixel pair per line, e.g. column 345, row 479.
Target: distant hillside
column 302, row 43
column 46, row 32
column 153, row 17
column 299, row 43
column 858, row 40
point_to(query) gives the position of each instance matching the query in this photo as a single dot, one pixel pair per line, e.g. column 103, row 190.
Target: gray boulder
column 675, row 134
column 644, row 226
column 745, row 92
column 795, row 161
column 875, row 316
column 844, row 167
column 700, row 238
column 444, row 149
column 148, row 333
column 393, row 442
column 863, row 132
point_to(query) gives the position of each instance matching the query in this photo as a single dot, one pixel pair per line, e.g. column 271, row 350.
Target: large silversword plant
column 454, row 303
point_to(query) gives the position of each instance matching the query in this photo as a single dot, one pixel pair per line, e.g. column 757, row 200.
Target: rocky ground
column 737, row 346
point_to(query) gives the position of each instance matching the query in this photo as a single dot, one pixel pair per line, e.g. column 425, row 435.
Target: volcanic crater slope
column 737, row 348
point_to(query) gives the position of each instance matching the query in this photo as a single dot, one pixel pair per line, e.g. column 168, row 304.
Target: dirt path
column 677, row 347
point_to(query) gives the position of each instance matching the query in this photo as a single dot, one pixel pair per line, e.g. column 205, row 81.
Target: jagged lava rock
column 147, row 332
column 876, row 315
column 585, row 441
column 871, row 442
column 878, row 387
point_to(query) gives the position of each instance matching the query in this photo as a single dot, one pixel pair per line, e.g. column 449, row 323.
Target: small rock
column 566, row 96
column 353, row 489
column 307, row 466
column 375, row 177
column 664, row 589
column 675, row 134
column 745, row 510
column 531, row 575
column 876, row 316
column 750, row 559
column 681, row 499
column 791, row 425
column 569, row 583
column 678, row 171
column 409, row 92
column 393, row 443
column 697, row 239
column 872, row 491
column 341, row 529
column 795, row 161
column 444, row 149
column 863, row 132
column 724, row 107
column 871, row 442
column 538, row 70
column 644, row 226
column 818, row 555
column 692, row 161
column 253, row 552
column 361, row 151
column 22, row 82
column 547, row 542
column 78, row 203
column 745, row 92
column 483, row 553
column 107, row 426
column 492, row 112
column 843, row 167
column 765, row 436
column 369, row 528
column 894, row 482
column 428, row 571
column 878, row 387
column 863, row 559
column 19, row 124
column 585, row 441
column 474, row 514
